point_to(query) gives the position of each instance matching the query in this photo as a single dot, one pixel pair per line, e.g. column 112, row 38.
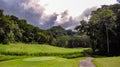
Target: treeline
column 103, row 28
column 68, row 38
column 13, row 29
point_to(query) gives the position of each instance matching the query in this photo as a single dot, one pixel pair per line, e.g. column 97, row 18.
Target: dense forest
column 101, row 32
column 13, row 29
column 103, row 28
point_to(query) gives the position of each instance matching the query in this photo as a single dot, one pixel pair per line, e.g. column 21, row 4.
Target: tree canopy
column 103, row 29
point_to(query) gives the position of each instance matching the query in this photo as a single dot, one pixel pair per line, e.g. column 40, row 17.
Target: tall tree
column 105, row 21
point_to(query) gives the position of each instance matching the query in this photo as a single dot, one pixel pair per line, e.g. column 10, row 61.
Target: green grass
column 42, row 62
column 8, row 57
column 40, row 59
column 35, row 55
column 21, row 49
column 107, row 62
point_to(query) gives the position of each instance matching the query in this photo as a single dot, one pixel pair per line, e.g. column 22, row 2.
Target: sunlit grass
column 8, row 57
column 35, row 55
column 107, row 62
column 21, row 49
column 56, row 62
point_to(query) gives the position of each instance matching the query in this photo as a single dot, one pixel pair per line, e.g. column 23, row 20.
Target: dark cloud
column 29, row 10
column 34, row 14
column 24, row 9
column 87, row 13
column 49, row 21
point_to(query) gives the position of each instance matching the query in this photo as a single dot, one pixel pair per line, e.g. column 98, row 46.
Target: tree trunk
column 108, row 50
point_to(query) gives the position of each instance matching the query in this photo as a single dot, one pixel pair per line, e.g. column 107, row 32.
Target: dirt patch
column 87, row 62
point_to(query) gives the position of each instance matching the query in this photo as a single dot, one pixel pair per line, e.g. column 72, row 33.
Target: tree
column 83, row 27
column 57, row 31
column 104, row 20
column 1, row 12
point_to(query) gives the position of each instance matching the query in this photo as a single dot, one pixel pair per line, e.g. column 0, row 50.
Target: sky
column 48, row 13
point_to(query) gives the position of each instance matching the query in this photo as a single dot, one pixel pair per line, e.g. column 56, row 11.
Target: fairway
column 107, row 62
column 35, row 55
column 42, row 62
column 21, row 49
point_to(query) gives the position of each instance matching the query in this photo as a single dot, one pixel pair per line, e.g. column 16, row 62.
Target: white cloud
column 74, row 7
column 47, row 13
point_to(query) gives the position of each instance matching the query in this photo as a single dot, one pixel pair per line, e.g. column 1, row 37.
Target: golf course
column 35, row 55
column 41, row 62
column 59, row 33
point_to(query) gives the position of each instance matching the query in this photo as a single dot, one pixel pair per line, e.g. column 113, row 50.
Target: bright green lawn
column 107, row 62
column 28, row 55
column 42, row 62
column 8, row 57
column 39, row 50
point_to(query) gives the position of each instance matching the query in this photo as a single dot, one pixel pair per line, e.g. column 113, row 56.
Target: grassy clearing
column 56, row 62
column 21, row 49
column 107, row 62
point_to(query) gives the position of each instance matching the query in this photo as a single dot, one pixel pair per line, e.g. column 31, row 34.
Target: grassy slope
column 39, row 50
column 8, row 58
column 107, row 62
column 58, row 62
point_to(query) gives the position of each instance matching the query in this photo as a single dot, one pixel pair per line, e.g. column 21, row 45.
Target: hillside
column 40, row 50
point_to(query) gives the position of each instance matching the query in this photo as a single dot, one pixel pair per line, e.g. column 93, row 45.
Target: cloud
column 61, row 18
column 87, row 13
column 25, row 9
column 34, row 13
column 64, row 14
column 48, row 21
column 70, row 22
column 29, row 10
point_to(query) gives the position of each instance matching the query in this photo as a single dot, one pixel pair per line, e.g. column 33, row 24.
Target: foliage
column 57, row 31
column 13, row 29
column 103, row 30
column 73, row 41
